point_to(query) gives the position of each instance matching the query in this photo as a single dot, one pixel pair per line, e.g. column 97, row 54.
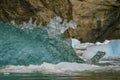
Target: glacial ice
column 28, row 43
column 112, row 50
column 110, row 47
column 75, row 42
column 57, row 27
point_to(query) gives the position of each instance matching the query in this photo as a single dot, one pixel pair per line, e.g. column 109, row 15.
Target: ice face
column 27, row 45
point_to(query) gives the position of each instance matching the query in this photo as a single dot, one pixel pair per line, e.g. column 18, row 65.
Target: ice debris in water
column 62, row 67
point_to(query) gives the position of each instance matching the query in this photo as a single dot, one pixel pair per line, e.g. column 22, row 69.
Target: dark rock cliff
column 97, row 19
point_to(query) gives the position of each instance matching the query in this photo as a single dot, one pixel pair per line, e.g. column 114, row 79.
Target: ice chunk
column 75, row 43
column 111, row 48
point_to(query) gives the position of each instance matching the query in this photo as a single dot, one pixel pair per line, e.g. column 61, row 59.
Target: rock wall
column 97, row 19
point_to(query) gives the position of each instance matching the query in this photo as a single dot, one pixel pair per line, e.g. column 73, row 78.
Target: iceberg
column 28, row 43
column 87, row 51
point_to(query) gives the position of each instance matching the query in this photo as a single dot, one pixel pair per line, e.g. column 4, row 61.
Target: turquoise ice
column 27, row 45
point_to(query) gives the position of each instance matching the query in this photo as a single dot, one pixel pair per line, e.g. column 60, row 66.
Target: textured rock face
column 40, row 10
column 97, row 19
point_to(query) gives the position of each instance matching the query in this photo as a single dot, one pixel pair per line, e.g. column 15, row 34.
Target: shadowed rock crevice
column 111, row 26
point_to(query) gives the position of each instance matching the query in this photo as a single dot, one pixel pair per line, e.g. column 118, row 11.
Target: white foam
column 63, row 67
